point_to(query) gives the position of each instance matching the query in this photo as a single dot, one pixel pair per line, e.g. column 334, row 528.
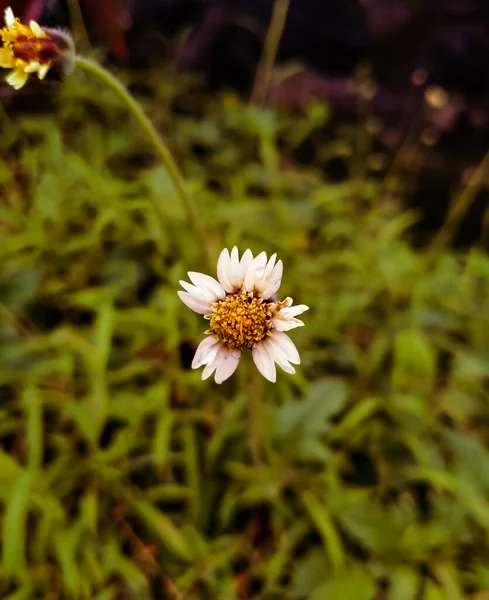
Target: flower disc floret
column 240, row 321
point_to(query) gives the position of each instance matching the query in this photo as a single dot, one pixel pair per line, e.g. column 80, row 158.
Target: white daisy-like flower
column 244, row 314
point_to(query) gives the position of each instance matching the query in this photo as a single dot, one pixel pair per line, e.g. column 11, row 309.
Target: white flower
column 243, row 314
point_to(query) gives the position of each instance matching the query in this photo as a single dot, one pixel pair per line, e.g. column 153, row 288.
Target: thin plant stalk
column 460, row 208
column 268, row 58
column 78, row 26
column 255, row 407
column 159, row 146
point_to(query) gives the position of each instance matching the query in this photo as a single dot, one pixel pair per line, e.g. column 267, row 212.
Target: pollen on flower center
column 240, row 320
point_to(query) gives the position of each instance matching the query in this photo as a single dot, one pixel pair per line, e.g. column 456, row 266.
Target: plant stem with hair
column 157, row 142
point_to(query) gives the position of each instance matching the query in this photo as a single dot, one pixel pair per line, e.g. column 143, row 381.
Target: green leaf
column 324, row 523
column 351, row 584
column 14, row 525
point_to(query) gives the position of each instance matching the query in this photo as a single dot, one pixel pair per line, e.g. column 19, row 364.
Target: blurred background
column 348, row 136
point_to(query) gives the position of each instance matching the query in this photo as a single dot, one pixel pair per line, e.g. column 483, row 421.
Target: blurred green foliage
column 123, row 475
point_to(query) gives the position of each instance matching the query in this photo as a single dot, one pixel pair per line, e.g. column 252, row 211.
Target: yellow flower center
column 240, row 321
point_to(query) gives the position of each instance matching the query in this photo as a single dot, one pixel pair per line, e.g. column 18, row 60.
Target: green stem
column 78, row 25
column 255, row 407
column 158, row 144
column 460, row 208
column 270, row 49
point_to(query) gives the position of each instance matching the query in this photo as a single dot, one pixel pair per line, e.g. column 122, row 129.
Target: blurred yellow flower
column 26, row 49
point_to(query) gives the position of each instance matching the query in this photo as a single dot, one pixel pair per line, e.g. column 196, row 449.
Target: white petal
column 224, row 363
column 205, row 352
column 208, row 283
column 238, row 267
column 254, row 271
column 287, row 345
column 223, row 265
column 293, row 311
column 260, row 262
column 279, row 355
column 286, row 324
column 198, row 306
column 285, row 365
column 9, row 18
column 227, row 363
column 233, row 271
column 209, row 369
column 270, row 265
column 264, row 362
column 273, row 282
column 199, row 293
column 284, row 318
column 245, row 262
column 262, row 276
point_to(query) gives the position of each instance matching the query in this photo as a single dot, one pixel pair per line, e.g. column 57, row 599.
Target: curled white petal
column 224, row 362
column 284, row 315
column 199, row 306
column 286, row 325
column 264, row 362
column 293, row 311
column 279, row 355
column 205, row 352
column 283, row 341
column 208, row 283
column 228, row 362
column 270, row 285
column 199, row 293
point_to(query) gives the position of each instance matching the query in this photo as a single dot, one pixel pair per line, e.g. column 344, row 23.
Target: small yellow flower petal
column 38, row 30
column 22, row 29
column 32, row 67
column 19, row 65
column 8, row 36
column 17, row 79
column 7, row 59
column 43, row 71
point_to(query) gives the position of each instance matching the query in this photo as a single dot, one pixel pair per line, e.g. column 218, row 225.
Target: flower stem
column 270, row 50
column 157, row 142
column 255, row 406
